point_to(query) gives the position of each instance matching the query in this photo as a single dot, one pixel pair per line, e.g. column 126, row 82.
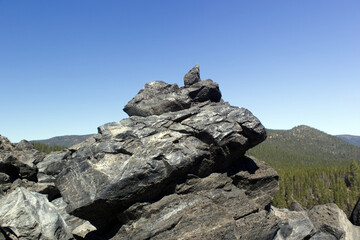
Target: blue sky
column 67, row 67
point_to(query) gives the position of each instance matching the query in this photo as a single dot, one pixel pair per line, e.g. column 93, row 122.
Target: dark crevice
column 245, row 215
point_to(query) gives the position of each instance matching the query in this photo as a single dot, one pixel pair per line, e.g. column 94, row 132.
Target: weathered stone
column 193, row 76
column 259, row 180
column 293, row 225
column 52, row 165
column 19, row 161
column 330, row 219
column 262, row 225
column 4, row 178
column 323, row 236
column 29, row 215
column 295, row 206
column 5, row 144
column 355, row 214
column 79, row 227
column 200, row 208
column 158, row 97
column 24, row 145
column 136, row 158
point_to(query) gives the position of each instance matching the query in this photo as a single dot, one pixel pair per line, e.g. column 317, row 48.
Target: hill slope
column 355, row 140
column 304, row 146
column 66, row 141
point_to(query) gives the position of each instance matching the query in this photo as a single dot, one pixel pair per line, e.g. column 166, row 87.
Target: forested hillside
column 67, row 141
column 46, row 148
column 314, row 167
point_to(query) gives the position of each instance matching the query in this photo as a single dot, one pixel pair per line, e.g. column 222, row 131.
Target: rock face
column 27, row 215
column 193, row 76
column 138, row 158
column 19, row 161
column 355, row 214
column 175, row 169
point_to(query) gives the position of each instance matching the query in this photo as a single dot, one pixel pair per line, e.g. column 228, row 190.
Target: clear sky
column 67, row 67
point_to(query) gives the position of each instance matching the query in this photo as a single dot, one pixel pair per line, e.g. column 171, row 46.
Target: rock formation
column 175, row 169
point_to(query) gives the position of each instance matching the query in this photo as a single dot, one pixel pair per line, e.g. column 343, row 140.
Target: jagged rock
column 293, row 225
column 262, row 225
column 52, row 165
column 79, row 227
column 24, row 145
column 193, row 76
column 158, row 97
column 355, row 214
column 137, row 158
column 295, row 206
column 29, row 215
column 261, row 186
column 211, row 207
column 19, row 161
column 331, row 220
column 4, row 178
column 5, row 144
column 323, row 236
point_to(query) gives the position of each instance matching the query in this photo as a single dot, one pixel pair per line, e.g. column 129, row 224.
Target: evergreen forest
column 46, row 148
column 314, row 167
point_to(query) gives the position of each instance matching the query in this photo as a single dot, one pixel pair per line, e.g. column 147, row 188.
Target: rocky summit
column 175, row 169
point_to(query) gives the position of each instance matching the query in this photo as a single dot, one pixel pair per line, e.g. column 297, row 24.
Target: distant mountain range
column 350, row 139
column 67, row 141
column 304, row 146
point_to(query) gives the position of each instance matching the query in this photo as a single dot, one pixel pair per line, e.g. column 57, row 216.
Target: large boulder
column 332, row 221
column 28, row 215
column 19, row 161
column 79, row 227
column 158, row 97
column 137, row 158
column 193, row 76
column 293, row 225
column 355, row 214
column 172, row 132
column 52, row 165
column 211, row 207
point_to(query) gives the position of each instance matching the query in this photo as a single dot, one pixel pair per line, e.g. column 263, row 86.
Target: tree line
column 320, row 185
column 46, row 148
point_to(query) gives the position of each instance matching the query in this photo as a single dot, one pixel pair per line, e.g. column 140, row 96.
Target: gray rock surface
column 28, row 215
column 330, row 219
column 137, row 158
column 211, row 207
column 78, row 227
column 52, row 165
column 158, row 97
column 19, row 161
column 295, row 206
column 293, row 225
column 193, row 76
column 175, row 169
column 355, row 214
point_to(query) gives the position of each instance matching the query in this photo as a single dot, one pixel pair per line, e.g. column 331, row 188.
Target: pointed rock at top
column 193, row 76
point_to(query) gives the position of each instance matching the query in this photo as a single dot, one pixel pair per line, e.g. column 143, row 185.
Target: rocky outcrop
column 28, row 215
column 193, row 76
column 330, row 219
column 137, row 158
column 158, row 97
column 211, row 207
column 79, row 227
column 19, row 161
column 355, row 214
column 175, row 169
